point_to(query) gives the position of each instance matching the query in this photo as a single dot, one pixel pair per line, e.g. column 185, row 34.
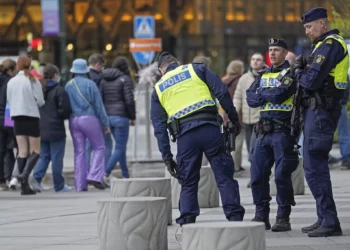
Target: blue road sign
column 144, row 27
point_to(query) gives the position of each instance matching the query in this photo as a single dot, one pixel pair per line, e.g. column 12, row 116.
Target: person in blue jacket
column 323, row 79
column 274, row 144
column 182, row 102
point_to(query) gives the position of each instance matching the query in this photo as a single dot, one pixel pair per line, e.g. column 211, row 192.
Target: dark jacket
column 117, row 91
column 4, row 78
column 95, row 76
column 159, row 116
column 57, row 108
column 231, row 83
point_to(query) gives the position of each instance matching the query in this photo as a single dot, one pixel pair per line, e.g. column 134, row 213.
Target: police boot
column 311, row 228
column 24, row 176
column 282, row 224
column 326, row 232
column 266, row 221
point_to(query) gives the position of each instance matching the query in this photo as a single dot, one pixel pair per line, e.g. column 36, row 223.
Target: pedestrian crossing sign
column 144, row 27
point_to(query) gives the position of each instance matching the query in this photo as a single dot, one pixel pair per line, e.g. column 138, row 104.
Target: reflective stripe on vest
column 181, row 92
column 340, row 72
column 268, row 80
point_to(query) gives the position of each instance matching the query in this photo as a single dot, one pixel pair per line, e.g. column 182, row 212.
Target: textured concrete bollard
column 224, row 236
column 208, row 193
column 132, row 223
column 297, row 180
column 144, row 187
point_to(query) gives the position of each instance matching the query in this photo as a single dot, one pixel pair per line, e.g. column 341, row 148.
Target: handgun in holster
column 173, row 128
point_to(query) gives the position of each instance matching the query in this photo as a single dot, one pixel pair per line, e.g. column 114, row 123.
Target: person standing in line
column 25, row 97
column 53, row 132
column 88, row 113
column 7, row 159
column 96, row 65
column 117, row 91
column 234, row 71
column 323, row 78
column 248, row 116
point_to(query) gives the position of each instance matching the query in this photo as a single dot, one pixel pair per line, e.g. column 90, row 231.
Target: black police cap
column 164, row 56
column 278, row 42
column 313, row 14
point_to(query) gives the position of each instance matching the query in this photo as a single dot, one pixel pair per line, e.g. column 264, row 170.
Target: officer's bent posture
column 274, row 143
column 182, row 103
column 324, row 83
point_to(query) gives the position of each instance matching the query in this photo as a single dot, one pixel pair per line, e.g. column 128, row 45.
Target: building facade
column 221, row 29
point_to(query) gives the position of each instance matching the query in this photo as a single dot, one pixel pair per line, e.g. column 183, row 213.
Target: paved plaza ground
column 68, row 221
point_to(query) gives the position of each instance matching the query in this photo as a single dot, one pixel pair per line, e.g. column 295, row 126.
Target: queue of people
column 34, row 107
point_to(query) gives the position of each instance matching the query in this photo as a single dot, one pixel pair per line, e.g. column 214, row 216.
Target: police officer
column 182, row 103
column 274, row 143
column 324, row 83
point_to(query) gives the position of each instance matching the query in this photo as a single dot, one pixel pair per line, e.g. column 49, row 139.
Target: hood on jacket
column 49, row 86
column 4, row 78
column 149, row 75
column 111, row 74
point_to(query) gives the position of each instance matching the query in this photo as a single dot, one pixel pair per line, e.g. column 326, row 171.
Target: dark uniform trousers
column 273, row 147
column 319, row 127
column 190, row 147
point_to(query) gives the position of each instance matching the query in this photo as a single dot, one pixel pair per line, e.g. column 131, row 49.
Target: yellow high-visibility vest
column 268, row 80
column 182, row 92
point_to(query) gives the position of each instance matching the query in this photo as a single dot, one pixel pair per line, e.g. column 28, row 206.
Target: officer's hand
column 236, row 129
column 172, row 167
column 299, row 63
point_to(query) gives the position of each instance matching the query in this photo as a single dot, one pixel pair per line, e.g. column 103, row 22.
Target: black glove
column 235, row 128
column 299, row 63
column 172, row 167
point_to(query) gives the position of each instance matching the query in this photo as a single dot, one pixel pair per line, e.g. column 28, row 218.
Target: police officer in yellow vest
column 274, row 144
column 324, row 82
column 182, row 102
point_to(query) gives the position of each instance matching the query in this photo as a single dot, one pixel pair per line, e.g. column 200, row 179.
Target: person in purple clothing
column 88, row 115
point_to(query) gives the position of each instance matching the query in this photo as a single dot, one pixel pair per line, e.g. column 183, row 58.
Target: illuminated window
column 236, row 10
column 270, row 8
column 35, row 13
column 79, row 11
column 7, row 13
column 141, row 3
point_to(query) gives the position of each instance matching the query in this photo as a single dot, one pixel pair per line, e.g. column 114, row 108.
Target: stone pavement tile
column 270, row 234
column 298, row 241
column 341, row 240
column 19, row 247
column 330, row 247
column 290, row 248
column 21, row 240
column 69, row 247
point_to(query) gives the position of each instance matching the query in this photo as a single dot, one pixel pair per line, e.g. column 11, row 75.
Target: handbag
column 7, row 117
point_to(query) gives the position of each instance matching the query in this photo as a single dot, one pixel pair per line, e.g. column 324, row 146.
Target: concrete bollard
column 208, row 193
column 224, row 236
column 132, row 223
column 143, row 187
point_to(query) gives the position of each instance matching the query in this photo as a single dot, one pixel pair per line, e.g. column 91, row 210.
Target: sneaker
column 97, row 185
column 325, row 232
column 266, row 221
column 345, row 165
column 65, row 188
column 282, row 225
column 40, row 187
column 13, row 183
column 107, row 180
column 311, row 228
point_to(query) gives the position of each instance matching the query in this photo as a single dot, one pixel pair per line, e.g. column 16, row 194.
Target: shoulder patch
column 319, row 59
column 329, row 41
column 287, row 81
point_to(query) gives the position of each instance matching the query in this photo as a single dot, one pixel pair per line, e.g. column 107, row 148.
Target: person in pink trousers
column 88, row 115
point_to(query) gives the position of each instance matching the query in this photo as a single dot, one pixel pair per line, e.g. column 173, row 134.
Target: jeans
column 120, row 132
column 108, row 152
column 344, row 134
column 7, row 158
column 51, row 151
